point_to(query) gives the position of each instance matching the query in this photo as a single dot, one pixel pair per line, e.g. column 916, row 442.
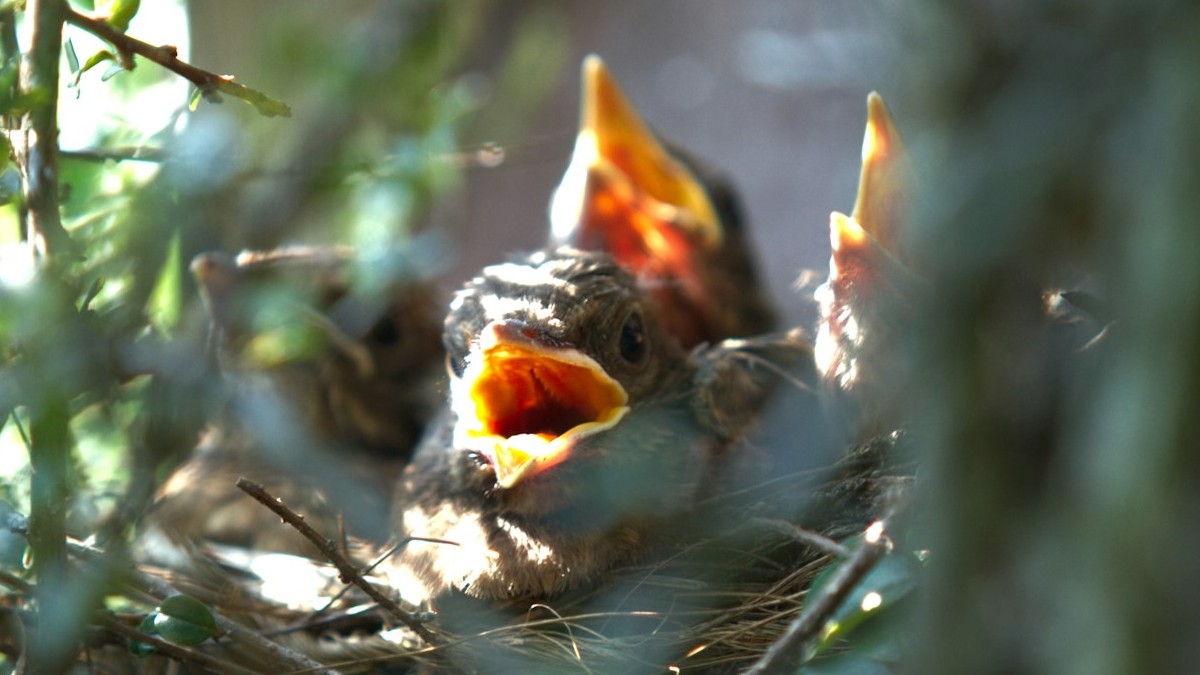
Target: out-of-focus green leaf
column 889, row 581
column 185, row 620
column 266, row 106
column 167, row 298
column 194, row 99
column 121, row 12
column 285, row 344
column 97, row 58
column 147, row 627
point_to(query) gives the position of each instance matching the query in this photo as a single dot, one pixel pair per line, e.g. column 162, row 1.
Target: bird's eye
column 456, row 364
column 385, row 332
column 633, row 338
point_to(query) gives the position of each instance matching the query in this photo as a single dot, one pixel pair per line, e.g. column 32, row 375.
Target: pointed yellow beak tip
column 880, row 134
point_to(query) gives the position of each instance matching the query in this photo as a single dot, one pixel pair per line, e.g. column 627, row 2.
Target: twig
column 167, row 56
column 786, row 655
column 133, row 154
column 348, row 572
column 37, row 151
column 176, row 652
column 817, row 541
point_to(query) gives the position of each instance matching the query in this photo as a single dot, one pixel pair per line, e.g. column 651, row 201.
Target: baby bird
column 871, row 286
column 674, row 224
column 330, row 388
column 578, row 422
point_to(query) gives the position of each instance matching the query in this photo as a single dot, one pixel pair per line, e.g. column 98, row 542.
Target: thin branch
column 128, row 154
column 37, row 153
column 10, row 52
column 348, row 572
column 167, row 56
column 813, row 539
column 787, row 654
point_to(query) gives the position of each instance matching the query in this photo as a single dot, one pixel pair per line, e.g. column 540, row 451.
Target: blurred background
column 770, row 92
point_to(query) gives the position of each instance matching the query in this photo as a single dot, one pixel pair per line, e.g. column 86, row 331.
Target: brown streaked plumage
column 546, row 496
column 330, row 388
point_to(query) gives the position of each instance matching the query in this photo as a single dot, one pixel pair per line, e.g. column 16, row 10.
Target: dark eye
column 633, row 338
column 385, row 332
column 456, row 364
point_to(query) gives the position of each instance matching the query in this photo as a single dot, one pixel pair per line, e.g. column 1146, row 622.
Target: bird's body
column 539, row 488
column 594, row 384
column 330, row 388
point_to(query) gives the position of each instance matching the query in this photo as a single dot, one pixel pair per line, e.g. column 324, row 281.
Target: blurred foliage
column 105, row 352
column 1058, row 492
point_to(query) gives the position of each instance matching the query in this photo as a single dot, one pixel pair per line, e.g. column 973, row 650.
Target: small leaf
column 167, row 298
column 185, row 620
column 72, row 57
column 121, row 12
column 147, row 627
column 266, row 106
column 112, row 71
column 98, row 58
column 889, row 581
column 194, row 100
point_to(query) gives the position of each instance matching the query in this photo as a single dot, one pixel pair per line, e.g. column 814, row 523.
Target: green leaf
column 98, row 58
column 889, row 581
column 266, row 106
column 166, row 300
column 147, row 627
column 121, row 12
column 194, row 99
column 185, row 620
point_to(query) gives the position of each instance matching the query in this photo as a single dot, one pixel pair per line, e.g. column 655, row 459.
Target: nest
column 722, row 588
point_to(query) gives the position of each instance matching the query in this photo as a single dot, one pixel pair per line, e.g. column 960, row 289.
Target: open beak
column 623, row 192
column 882, row 184
column 524, row 404
column 867, row 262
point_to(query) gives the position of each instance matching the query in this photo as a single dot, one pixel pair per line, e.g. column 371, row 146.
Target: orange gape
column 624, row 194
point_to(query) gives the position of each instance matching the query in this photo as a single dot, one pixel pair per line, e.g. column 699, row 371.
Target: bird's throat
column 524, row 406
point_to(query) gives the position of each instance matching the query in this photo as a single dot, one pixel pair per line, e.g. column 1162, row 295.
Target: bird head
column 871, row 285
column 346, row 353
column 550, row 357
column 657, row 214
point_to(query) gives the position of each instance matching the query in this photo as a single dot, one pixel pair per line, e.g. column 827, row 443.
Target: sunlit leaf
column 167, row 298
column 266, row 106
column 97, row 58
column 121, row 12
column 185, row 620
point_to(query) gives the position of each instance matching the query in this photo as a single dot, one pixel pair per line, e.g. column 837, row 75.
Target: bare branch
column 787, row 654
column 37, row 152
column 348, row 571
column 167, row 56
